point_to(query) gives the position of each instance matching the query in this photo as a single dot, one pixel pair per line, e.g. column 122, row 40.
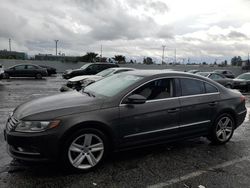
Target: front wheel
column 39, row 76
column 6, row 76
column 85, row 150
column 223, row 129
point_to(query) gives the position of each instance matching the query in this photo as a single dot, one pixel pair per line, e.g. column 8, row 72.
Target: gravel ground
column 192, row 163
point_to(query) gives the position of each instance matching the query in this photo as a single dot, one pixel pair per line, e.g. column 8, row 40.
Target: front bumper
column 241, row 86
column 42, row 146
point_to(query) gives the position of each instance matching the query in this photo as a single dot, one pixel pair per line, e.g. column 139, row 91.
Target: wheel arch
column 88, row 124
column 229, row 111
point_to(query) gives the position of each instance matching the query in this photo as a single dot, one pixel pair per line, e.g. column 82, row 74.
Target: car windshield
column 85, row 66
column 244, row 76
column 112, row 85
column 106, row 72
column 203, row 73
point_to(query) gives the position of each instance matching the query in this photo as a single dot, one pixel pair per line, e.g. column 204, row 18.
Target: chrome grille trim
column 12, row 123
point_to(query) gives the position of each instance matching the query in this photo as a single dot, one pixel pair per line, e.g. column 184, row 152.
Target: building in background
column 4, row 54
column 50, row 57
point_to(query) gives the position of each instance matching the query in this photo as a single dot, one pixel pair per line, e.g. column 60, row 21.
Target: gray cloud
column 128, row 27
column 237, row 35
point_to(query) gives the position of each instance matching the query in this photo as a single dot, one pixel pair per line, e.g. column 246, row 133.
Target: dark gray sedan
column 220, row 78
column 242, row 82
column 131, row 109
column 25, row 70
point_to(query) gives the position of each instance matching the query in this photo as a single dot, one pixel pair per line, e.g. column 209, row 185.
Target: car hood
column 80, row 78
column 239, row 80
column 51, row 107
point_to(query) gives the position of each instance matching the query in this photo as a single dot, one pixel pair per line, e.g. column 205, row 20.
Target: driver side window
column 157, row 89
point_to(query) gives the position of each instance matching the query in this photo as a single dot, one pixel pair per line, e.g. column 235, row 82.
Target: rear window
column 191, row 87
column 210, row 89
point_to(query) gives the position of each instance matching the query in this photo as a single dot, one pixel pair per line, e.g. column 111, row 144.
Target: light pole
column 101, row 54
column 56, row 41
column 163, row 49
column 10, row 45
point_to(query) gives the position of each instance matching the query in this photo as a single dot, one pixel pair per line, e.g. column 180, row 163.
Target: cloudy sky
column 198, row 29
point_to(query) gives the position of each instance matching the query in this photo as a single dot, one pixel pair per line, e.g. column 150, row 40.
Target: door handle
column 174, row 110
column 213, row 103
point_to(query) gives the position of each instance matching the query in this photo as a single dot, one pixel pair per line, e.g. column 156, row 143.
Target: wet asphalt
column 192, row 163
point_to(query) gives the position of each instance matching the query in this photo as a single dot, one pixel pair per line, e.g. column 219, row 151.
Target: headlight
column 36, row 126
column 86, row 82
column 243, row 83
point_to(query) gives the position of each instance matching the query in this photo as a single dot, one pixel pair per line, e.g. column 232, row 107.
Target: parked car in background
column 1, row 72
column 50, row 70
column 25, row 70
column 88, row 69
column 220, row 78
column 81, row 81
column 226, row 73
column 242, row 82
column 127, row 110
column 193, row 71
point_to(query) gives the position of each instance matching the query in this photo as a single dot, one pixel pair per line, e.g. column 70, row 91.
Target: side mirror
column 136, row 99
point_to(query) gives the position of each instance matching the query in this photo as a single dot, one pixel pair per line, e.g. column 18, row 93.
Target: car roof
column 221, row 70
column 122, row 68
column 25, row 65
column 148, row 73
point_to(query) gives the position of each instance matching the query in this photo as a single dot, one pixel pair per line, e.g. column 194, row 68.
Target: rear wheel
column 223, row 129
column 85, row 150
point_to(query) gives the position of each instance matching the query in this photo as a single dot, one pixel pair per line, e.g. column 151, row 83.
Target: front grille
column 11, row 123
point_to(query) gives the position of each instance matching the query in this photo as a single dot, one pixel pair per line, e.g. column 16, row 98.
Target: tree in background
column 148, row 61
column 120, row 59
column 236, row 61
column 88, row 57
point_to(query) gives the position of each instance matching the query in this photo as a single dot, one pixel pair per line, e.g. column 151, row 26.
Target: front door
column 156, row 119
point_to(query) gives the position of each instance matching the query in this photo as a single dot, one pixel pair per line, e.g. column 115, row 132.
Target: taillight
column 242, row 98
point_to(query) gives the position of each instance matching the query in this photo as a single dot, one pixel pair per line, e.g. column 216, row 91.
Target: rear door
column 156, row 119
column 197, row 101
column 31, row 70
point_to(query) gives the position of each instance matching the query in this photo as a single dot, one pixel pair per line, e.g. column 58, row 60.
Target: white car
column 1, row 72
column 82, row 81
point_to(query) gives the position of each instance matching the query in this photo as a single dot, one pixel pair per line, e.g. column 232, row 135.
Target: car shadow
column 115, row 159
column 24, row 79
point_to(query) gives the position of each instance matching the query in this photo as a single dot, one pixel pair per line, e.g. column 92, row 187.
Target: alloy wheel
column 224, row 129
column 86, row 151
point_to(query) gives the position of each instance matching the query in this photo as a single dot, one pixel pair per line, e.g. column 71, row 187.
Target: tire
column 6, row 76
column 85, row 150
column 222, row 129
column 39, row 76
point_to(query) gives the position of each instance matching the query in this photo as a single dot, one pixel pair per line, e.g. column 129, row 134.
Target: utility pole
column 101, row 54
column 56, row 41
column 10, row 45
column 248, row 59
column 163, row 49
column 175, row 56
